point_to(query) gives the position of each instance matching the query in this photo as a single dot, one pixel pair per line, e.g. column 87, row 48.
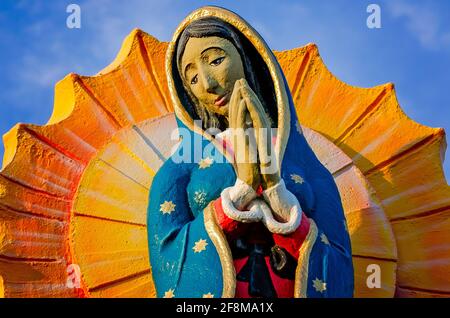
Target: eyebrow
column 211, row 48
column 202, row 52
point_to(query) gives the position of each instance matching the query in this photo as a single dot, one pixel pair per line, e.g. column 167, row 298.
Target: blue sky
column 412, row 49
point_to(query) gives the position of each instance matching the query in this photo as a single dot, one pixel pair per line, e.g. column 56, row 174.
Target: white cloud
column 32, row 7
column 423, row 22
column 40, row 72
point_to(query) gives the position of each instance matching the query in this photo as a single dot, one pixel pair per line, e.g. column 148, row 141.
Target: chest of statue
column 207, row 180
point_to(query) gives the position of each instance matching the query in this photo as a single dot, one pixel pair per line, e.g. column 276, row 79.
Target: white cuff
column 241, row 194
column 254, row 214
column 258, row 210
column 282, row 202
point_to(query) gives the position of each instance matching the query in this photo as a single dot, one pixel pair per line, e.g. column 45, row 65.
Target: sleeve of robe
column 183, row 258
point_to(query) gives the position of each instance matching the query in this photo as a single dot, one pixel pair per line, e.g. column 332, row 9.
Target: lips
column 221, row 100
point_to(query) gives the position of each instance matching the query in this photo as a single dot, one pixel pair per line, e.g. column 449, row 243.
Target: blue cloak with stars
column 189, row 254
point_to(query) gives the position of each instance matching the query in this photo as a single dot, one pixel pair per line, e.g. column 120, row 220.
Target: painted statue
column 136, row 188
column 205, row 234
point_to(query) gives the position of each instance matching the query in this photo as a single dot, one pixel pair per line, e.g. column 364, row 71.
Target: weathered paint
column 75, row 190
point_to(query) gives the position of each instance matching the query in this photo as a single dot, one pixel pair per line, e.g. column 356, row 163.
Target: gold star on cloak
column 297, row 179
column 205, row 163
column 200, row 197
column 169, row 294
column 319, row 285
column 167, row 207
column 324, row 239
column 200, row 246
column 208, row 295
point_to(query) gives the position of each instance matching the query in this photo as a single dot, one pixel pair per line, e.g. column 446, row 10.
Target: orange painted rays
column 76, row 189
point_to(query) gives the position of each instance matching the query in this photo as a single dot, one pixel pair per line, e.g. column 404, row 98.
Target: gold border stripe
column 301, row 273
column 220, row 242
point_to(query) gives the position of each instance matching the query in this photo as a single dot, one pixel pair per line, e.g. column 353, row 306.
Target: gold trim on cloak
column 301, row 272
column 223, row 249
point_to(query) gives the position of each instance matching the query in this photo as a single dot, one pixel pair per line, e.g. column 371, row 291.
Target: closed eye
column 217, row 61
column 194, row 80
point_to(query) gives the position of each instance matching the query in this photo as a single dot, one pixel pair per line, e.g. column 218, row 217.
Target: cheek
column 198, row 92
column 236, row 70
column 231, row 73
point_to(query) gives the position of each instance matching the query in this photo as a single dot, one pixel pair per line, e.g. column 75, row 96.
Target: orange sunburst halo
column 77, row 188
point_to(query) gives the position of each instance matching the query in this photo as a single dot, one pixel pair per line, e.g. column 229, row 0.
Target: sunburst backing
column 75, row 191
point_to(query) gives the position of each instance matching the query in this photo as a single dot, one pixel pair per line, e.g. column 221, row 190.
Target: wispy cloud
column 39, row 72
column 423, row 22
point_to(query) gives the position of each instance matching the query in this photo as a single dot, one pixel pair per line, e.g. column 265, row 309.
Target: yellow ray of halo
column 117, row 260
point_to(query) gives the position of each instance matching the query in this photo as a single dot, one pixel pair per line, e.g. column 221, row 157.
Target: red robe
column 291, row 243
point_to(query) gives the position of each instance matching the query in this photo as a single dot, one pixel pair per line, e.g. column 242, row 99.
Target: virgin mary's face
column 210, row 66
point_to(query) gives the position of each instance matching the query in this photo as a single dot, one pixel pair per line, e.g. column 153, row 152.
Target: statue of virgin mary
column 222, row 227
column 196, row 168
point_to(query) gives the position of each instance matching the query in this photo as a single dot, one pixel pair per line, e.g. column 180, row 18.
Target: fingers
column 237, row 133
column 240, row 144
column 234, row 104
column 241, row 114
column 261, row 124
column 254, row 106
column 258, row 142
column 246, row 143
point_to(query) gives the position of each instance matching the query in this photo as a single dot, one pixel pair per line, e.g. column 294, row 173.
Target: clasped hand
column 252, row 138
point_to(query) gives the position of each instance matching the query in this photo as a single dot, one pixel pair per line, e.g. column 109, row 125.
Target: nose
column 209, row 82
